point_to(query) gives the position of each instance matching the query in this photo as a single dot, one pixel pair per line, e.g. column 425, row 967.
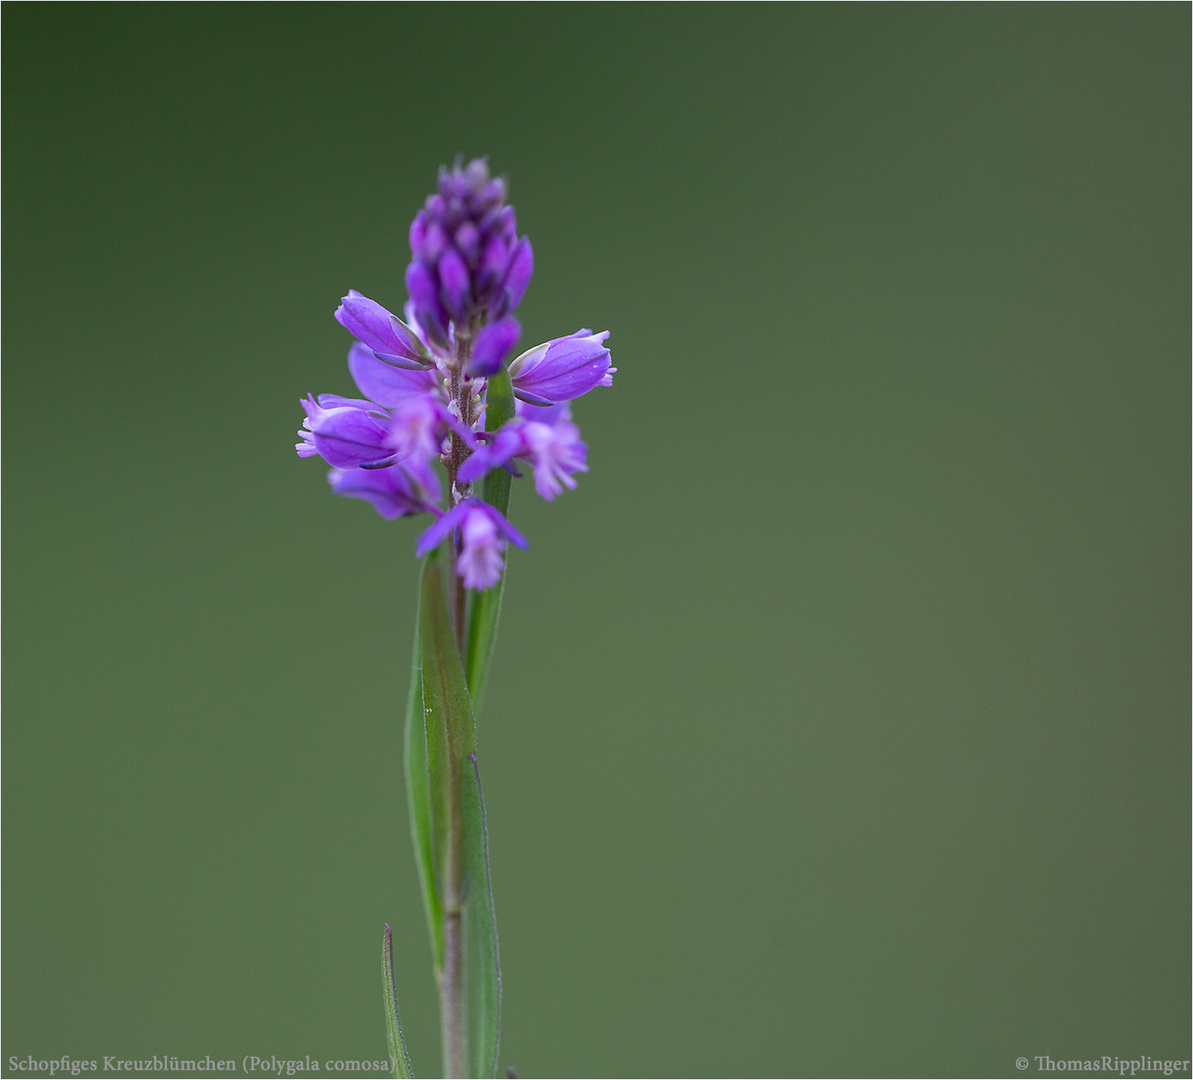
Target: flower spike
column 424, row 380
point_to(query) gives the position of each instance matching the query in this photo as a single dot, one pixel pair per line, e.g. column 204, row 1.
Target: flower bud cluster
column 468, row 261
column 424, row 381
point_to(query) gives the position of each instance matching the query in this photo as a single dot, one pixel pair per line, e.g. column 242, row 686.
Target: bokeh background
column 839, row 723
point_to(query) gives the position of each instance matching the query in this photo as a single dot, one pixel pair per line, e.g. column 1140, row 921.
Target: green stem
column 451, row 997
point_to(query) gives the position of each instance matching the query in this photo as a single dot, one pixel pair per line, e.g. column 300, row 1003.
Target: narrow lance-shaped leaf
column 393, row 1023
column 418, row 795
column 450, row 737
column 486, row 606
column 484, row 964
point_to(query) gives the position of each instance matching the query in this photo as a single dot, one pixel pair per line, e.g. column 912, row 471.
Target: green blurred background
column 839, row 723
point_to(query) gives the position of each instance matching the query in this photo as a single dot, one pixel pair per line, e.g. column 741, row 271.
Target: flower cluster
column 424, row 381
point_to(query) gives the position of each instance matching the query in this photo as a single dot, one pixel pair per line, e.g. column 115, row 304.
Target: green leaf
column 450, row 735
column 483, row 961
column 486, row 606
column 482, row 635
column 393, row 1023
column 418, row 795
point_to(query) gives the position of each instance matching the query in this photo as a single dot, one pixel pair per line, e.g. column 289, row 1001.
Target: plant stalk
column 451, row 996
column 452, row 989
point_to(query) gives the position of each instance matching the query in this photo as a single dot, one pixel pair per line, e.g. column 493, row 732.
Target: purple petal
column 493, row 344
column 507, row 223
column 475, row 466
column 533, row 399
column 306, row 446
column 481, row 558
column 455, row 424
column 424, row 291
column 383, row 383
column 418, row 232
column 506, row 445
column 520, row 269
column 494, row 192
column 371, row 323
column 412, row 317
column 489, row 219
column 454, row 281
column 442, row 529
column 494, row 262
column 389, row 490
column 503, row 526
column 334, row 401
column 563, row 369
column 400, row 361
column 557, row 454
column 434, row 241
column 422, row 476
column 467, row 241
column 549, row 414
column 416, row 426
column 349, row 437
column 421, row 285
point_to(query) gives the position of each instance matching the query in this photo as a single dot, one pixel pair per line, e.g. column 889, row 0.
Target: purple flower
column 467, row 258
column 397, row 491
column 389, row 338
column 421, row 422
column 493, row 344
column 517, row 277
column 505, row 445
column 483, row 533
column 557, row 454
column 306, row 439
column 423, row 287
column 417, row 426
column 562, row 369
column 554, row 450
column 344, row 432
